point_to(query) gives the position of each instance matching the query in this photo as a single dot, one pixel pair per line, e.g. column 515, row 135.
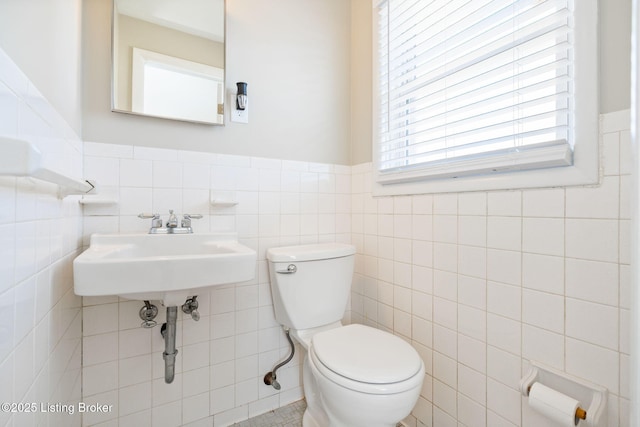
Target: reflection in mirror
column 168, row 59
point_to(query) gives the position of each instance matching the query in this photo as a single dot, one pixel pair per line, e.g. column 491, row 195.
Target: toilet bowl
column 353, row 375
column 365, row 377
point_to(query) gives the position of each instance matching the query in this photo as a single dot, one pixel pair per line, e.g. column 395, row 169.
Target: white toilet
column 354, row 375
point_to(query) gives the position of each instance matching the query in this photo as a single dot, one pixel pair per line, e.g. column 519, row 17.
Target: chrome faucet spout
column 173, row 220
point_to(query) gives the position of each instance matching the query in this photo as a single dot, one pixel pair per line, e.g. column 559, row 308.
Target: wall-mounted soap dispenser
column 240, row 106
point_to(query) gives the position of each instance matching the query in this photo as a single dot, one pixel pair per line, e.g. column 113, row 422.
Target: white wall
column 43, row 39
column 615, row 50
column 482, row 283
column 361, row 81
column 293, row 54
column 40, row 235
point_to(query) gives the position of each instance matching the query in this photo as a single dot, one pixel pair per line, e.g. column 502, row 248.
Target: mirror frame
column 113, row 72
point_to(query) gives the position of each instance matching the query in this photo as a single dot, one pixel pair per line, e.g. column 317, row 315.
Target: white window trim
column 585, row 168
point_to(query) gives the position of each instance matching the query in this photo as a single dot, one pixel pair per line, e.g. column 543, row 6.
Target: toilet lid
column 365, row 354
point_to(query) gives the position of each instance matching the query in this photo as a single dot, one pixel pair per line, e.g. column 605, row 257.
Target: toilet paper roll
column 554, row 405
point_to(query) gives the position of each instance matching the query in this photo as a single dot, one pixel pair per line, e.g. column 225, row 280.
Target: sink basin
column 160, row 266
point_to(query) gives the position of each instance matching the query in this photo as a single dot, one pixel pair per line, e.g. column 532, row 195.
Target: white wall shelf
column 223, row 199
column 21, row 158
column 103, row 201
column 223, row 203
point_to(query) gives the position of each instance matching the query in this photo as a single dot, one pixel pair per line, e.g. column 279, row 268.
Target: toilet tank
column 310, row 284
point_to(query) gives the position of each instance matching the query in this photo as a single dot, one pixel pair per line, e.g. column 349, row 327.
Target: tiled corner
column 501, row 278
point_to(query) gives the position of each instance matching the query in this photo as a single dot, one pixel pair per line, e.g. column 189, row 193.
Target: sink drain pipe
column 168, row 332
column 270, row 378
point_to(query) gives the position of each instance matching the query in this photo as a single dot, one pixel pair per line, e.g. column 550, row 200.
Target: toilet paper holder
column 593, row 398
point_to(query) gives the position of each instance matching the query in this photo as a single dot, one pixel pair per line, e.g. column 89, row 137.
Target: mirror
column 168, row 59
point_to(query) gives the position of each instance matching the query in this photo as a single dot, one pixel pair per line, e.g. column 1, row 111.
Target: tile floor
column 287, row 416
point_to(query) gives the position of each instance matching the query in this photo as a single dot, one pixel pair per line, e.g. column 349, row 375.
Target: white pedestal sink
column 166, row 267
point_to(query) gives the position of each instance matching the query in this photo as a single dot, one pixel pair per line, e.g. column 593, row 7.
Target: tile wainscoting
column 40, row 235
column 481, row 283
column 222, row 358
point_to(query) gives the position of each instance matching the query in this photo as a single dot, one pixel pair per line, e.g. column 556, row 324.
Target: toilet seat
column 366, row 359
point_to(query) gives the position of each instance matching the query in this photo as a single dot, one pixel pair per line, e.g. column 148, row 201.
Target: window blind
column 473, row 87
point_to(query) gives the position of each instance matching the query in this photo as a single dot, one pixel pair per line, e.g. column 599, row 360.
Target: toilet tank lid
column 310, row 252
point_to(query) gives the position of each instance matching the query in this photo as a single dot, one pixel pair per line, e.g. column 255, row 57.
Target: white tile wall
column 480, row 283
column 497, row 279
column 222, row 358
column 40, row 234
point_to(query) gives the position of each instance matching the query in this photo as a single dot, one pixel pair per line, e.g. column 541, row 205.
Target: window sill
column 584, row 171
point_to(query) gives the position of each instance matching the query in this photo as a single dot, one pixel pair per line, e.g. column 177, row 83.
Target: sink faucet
column 172, row 224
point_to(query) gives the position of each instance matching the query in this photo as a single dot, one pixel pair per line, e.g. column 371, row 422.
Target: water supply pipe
column 270, row 377
column 168, row 332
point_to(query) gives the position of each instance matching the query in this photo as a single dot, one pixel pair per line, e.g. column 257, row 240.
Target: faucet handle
column 145, row 215
column 156, row 222
column 193, row 216
column 186, row 220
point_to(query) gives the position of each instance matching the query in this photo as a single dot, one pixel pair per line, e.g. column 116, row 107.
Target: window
column 472, row 93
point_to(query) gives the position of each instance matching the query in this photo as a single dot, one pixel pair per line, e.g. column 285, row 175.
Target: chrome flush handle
column 291, row 268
